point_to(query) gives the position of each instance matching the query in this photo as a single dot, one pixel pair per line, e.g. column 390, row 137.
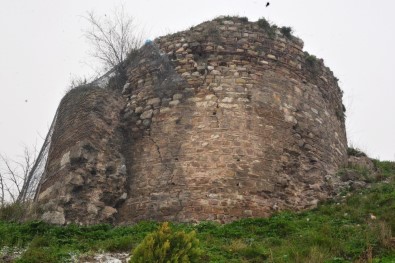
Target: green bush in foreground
column 165, row 246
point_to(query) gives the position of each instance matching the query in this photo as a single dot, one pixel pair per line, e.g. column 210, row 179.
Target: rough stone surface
column 219, row 122
column 92, row 177
column 359, row 173
column 54, row 217
column 361, row 161
column 146, row 114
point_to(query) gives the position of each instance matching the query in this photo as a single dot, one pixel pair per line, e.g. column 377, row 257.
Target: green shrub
column 355, row 152
column 286, row 31
column 165, row 246
column 311, row 59
column 240, row 18
column 243, row 19
column 265, row 25
column 211, row 33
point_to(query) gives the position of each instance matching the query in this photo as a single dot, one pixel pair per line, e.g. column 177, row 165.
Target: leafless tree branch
column 112, row 38
column 2, row 190
column 17, row 176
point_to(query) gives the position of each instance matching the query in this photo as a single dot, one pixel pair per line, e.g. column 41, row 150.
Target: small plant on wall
column 269, row 28
column 286, row 31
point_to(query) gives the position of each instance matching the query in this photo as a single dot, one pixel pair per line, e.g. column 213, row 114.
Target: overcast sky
column 42, row 48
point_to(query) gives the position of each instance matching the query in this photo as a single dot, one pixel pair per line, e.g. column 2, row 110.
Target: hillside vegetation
column 354, row 227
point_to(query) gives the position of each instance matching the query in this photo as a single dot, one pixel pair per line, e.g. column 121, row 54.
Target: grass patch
column 385, row 168
column 270, row 29
column 350, row 230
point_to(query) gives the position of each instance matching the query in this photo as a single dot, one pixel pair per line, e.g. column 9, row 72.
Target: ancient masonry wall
column 219, row 122
column 85, row 173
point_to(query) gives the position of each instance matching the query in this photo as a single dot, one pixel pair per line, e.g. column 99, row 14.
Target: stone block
column 146, row 114
column 147, row 122
column 177, row 96
column 154, row 102
column 139, row 110
column 126, row 88
column 54, row 217
column 108, row 212
column 65, row 159
column 174, row 103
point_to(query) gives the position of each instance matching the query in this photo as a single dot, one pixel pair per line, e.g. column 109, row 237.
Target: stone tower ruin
column 229, row 119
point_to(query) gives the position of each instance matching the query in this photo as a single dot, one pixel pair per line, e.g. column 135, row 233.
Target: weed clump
column 313, row 65
column 243, row 19
column 269, row 28
column 211, row 33
column 311, row 59
column 341, row 113
column 165, row 246
column 286, row 31
column 263, row 23
column 355, row 152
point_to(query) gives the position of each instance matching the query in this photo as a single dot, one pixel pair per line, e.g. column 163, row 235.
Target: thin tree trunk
column 2, row 191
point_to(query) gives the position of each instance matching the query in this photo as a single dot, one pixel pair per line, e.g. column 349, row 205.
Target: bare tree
column 17, row 176
column 2, row 191
column 112, row 37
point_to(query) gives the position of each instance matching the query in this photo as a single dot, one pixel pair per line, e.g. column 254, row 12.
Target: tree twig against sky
column 16, row 176
column 112, row 37
column 2, row 190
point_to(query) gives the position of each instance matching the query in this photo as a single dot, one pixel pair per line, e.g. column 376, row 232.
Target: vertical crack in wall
column 206, row 72
column 163, row 162
column 171, row 177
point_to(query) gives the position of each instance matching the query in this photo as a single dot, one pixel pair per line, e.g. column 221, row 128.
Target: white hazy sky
column 42, row 48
